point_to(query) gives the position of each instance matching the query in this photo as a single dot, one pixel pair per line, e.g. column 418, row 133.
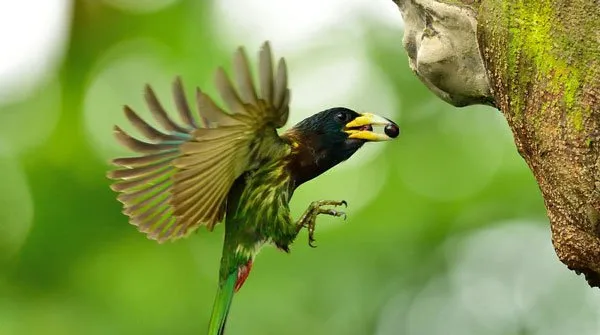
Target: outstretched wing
column 183, row 173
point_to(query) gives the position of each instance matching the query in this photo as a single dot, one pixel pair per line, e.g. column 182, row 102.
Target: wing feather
column 130, row 195
column 187, row 199
column 140, row 146
column 244, row 77
column 132, row 173
column 211, row 113
column 210, row 205
column 124, row 186
column 201, row 171
column 147, row 130
column 150, row 217
column 185, row 113
column 144, row 160
column 265, row 64
column 280, row 85
column 191, row 208
column 182, row 174
column 159, row 113
column 228, row 94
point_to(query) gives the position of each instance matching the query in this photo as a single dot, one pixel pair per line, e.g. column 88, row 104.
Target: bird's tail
column 227, row 288
column 221, row 305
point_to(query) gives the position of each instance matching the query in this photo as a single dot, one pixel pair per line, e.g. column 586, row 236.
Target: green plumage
column 233, row 165
column 222, row 304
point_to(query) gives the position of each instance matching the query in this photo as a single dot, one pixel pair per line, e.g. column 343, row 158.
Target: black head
column 334, row 135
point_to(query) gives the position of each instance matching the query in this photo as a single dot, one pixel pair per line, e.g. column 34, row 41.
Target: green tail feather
column 221, row 306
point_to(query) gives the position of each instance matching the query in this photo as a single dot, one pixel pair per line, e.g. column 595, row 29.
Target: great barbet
column 231, row 164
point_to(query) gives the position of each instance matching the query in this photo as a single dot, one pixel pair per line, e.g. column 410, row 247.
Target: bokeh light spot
column 32, row 43
column 392, row 318
column 288, row 23
column 28, row 123
column 434, row 311
column 504, row 280
column 514, row 265
column 118, row 81
column 456, row 154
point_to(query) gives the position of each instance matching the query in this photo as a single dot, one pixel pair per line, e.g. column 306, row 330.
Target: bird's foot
column 309, row 217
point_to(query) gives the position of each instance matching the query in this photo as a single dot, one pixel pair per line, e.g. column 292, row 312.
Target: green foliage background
column 70, row 263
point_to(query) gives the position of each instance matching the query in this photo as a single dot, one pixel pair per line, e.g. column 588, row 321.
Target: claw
column 338, row 213
column 311, row 238
column 316, row 207
column 311, row 232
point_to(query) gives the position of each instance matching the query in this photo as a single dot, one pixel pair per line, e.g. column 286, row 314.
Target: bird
column 234, row 164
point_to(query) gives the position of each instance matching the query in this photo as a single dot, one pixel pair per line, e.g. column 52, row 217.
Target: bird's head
column 335, row 134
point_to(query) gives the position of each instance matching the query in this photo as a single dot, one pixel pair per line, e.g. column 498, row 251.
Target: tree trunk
column 541, row 59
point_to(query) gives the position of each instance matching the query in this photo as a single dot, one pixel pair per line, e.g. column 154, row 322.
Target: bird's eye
column 342, row 117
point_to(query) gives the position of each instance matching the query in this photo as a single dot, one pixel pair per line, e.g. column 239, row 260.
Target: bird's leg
column 309, row 218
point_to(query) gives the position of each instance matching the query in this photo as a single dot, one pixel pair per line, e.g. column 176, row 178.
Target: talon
column 345, row 203
column 311, row 238
column 339, row 214
column 345, row 216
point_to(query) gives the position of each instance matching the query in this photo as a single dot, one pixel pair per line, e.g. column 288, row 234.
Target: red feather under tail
column 242, row 275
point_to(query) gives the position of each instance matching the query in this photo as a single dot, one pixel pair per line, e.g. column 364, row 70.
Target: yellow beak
column 362, row 128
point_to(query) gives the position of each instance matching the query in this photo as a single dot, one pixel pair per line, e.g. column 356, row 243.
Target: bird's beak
column 362, row 128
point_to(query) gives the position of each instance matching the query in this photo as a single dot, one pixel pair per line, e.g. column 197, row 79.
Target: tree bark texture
column 542, row 63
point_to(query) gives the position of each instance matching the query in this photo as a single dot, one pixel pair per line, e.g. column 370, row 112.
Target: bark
column 541, row 59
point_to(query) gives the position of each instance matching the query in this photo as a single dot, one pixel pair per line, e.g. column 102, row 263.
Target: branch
column 538, row 61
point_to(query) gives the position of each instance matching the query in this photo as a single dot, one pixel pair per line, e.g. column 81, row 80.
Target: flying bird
column 230, row 164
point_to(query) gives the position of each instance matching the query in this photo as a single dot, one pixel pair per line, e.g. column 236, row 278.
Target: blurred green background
column 446, row 230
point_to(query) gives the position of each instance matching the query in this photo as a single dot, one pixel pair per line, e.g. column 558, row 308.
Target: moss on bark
column 543, row 62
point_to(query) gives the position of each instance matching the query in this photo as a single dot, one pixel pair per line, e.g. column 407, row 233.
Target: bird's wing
column 182, row 175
